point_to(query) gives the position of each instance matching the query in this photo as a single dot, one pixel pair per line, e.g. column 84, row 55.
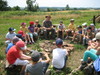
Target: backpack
column 96, row 65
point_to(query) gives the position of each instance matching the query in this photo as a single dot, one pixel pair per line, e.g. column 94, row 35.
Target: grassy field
column 15, row 18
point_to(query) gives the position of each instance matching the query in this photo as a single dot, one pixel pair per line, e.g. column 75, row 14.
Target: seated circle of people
column 49, row 32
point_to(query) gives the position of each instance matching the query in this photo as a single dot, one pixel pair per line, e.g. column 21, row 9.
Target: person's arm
column 47, row 58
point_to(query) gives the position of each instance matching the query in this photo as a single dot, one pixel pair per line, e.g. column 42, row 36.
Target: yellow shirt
column 24, row 29
column 72, row 27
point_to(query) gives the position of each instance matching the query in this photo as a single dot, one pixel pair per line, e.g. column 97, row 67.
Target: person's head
column 89, row 29
column 59, row 42
column 79, row 27
column 11, row 30
column 21, row 32
column 23, row 24
column 36, row 22
column 21, row 45
column 92, row 26
column 48, row 17
column 35, row 56
column 97, row 36
column 61, row 22
column 31, row 23
column 15, row 40
column 84, row 25
column 72, row 20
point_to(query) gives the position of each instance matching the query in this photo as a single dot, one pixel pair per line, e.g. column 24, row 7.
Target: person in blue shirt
column 14, row 41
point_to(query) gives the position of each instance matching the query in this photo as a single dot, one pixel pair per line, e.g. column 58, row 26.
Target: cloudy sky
column 57, row 3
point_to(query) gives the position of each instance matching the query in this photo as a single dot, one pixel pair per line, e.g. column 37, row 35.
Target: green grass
column 15, row 18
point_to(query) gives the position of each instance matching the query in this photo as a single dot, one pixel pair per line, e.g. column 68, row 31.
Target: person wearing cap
column 48, row 28
column 37, row 26
column 92, row 51
column 15, row 55
column 31, row 30
column 84, row 25
column 61, row 29
column 14, row 41
column 37, row 67
column 59, row 54
column 10, row 35
column 88, row 36
column 94, row 30
column 25, row 31
column 78, row 34
column 71, row 28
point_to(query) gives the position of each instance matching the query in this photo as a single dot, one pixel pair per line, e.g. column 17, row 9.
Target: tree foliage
column 16, row 8
column 31, row 6
column 3, row 5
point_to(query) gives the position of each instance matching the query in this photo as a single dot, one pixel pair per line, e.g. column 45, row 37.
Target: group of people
column 16, row 45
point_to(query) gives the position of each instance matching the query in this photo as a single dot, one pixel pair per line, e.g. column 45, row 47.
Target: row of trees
column 31, row 6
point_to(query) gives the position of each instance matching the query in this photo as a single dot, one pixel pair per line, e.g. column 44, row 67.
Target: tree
column 30, row 5
column 16, row 8
column 3, row 5
column 67, row 7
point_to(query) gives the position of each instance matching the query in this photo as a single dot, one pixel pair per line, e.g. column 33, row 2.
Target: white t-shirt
column 61, row 26
column 10, row 36
column 59, row 55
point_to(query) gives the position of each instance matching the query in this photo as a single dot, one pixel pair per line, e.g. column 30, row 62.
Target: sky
column 57, row 3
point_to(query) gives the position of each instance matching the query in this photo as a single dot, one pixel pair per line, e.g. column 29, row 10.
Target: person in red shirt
column 15, row 55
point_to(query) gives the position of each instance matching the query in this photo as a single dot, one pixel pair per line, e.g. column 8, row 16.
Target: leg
column 53, row 33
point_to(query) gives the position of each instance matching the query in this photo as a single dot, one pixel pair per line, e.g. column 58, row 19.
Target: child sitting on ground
column 25, row 30
column 78, row 34
column 71, row 29
column 59, row 56
column 61, row 29
column 37, row 67
column 31, row 31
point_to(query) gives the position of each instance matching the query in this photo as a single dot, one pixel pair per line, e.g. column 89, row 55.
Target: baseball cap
column 31, row 22
column 21, row 45
column 12, row 29
column 84, row 24
column 35, row 56
column 71, row 20
column 23, row 23
column 91, row 24
column 59, row 41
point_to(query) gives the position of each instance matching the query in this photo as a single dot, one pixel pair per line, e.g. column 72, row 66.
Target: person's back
column 59, row 54
column 36, row 69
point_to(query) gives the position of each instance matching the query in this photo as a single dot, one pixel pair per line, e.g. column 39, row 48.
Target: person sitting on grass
column 37, row 27
column 37, row 67
column 78, row 34
column 16, row 57
column 10, row 35
column 25, row 30
column 88, row 36
column 59, row 56
column 31, row 31
column 49, row 32
column 71, row 29
column 91, row 53
column 84, row 28
column 14, row 41
column 61, row 29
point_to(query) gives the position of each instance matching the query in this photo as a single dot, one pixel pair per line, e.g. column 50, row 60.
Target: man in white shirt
column 59, row 56
column 10, row 35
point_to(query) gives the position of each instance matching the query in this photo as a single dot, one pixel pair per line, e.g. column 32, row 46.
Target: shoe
column 83, row 65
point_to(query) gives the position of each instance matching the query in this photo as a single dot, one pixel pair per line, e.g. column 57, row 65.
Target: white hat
column 84, row 24
column 91, row 24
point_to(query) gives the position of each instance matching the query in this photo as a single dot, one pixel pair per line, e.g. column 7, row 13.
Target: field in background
column 15, row 18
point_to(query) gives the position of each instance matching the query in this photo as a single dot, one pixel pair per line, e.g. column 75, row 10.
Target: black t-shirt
column 38, row 25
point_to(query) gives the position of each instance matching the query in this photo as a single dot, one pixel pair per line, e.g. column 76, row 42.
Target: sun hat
column 12, row 29
column 21, row 45
column 91, row 24
column 31, row 22
column 97, row 36
column 35, row 56
column 23, row 23
column 72, row 20
column 59, row 41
